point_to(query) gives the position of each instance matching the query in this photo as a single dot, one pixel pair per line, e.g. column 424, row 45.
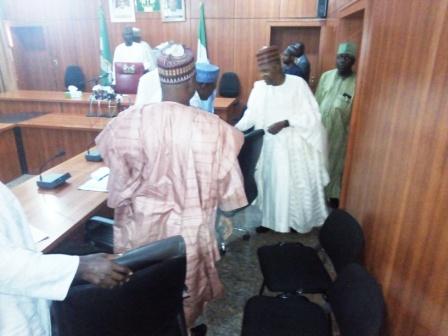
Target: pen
column 103, row 177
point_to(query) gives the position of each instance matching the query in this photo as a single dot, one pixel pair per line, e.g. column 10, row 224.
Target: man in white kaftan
column 29, row 279
column 131, row 52
column 291, row 172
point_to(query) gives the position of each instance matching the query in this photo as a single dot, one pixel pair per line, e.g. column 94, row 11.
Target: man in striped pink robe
column 171, row 167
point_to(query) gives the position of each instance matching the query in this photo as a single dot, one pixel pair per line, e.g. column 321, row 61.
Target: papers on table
column 38, row 234
column 98, row 180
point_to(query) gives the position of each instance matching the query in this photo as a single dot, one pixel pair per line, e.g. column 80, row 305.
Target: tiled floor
column 240, row 274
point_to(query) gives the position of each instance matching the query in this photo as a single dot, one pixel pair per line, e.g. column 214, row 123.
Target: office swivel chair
column 229, row 85
column 355, row 299
column 293, row 267
column 248, row 158
column 127, row 76
column 149, row 304
column 74, row 76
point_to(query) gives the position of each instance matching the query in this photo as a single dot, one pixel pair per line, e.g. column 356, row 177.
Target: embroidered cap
column 206, row 73
column 268, row 55
column 176, row 64
column 347, row 48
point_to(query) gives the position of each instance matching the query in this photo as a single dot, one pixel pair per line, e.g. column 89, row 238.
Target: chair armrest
column 102, row 220
column 153, row 253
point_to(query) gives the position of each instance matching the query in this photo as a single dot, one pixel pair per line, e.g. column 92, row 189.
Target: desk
column 55, row 102
column 44, row 136
column 224, row 107
column 61, row 211
column 47, row 102
column 9, row 160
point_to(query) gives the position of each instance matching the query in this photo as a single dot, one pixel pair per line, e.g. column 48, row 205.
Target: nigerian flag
column 105, row 54
column 202, row 38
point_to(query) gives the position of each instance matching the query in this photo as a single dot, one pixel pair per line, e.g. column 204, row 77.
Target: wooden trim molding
column 351, row 8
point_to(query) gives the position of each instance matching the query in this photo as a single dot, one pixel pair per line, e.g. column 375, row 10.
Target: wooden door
column 309, row 36
column 33, row 63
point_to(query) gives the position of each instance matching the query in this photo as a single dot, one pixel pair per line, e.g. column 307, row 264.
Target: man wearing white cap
column 204, row 97
column 335, row 95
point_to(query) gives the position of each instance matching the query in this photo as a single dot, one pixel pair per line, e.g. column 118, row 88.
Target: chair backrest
column 149, row 304
column 342, row 238
column 127, row 76
column 74, row 76
column 229, row 85
column 357, row 302
column 248, row 158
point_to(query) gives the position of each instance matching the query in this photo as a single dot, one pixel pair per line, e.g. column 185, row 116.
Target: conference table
column 62, row 211
column 10, row 164
column 48, row 102
column 56, row 102
column 45, row 135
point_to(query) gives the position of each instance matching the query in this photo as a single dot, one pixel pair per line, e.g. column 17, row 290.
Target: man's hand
column 99, row 270
column 278, row 126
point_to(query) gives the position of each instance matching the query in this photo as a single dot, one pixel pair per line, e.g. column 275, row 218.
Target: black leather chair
column 248, row 158
column 355, row 299
column 293, row 267
column 74, row 76
column 149, row 304
column 229, row 85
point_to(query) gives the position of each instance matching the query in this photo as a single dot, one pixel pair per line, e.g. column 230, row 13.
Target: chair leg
column 262, row 288
column 182, row 324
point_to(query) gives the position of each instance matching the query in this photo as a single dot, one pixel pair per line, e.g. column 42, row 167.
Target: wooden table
column 44, row 136
column 55, row 102
column 9, row 159
column 224, row 107
column 61, row 211
column 48, row 102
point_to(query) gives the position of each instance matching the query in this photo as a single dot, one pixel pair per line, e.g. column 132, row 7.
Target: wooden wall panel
column 42, row 143
column 257, row 9
column 10, row 165
column 249, row 37
column 14, row 107
column 293, row 8
column 213, row 9
column 397, row 180
column 327, row 45
column 72, row 31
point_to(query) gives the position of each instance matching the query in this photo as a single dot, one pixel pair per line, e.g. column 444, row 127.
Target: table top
column 52, row 97
column 224, row 103
column 58, row 97
column 5, row 126
column 59, row 212
column 66, row 121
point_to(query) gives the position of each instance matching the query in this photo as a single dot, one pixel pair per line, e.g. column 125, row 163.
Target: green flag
column 139, row 6
column 105, row 54
column 202, row 38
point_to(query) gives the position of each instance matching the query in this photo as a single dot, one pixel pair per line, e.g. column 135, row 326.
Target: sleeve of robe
column 231, row 185
column 24, row 271
column 249, row 118
column 306, row 117
column 320, row 91
column 121, row 150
